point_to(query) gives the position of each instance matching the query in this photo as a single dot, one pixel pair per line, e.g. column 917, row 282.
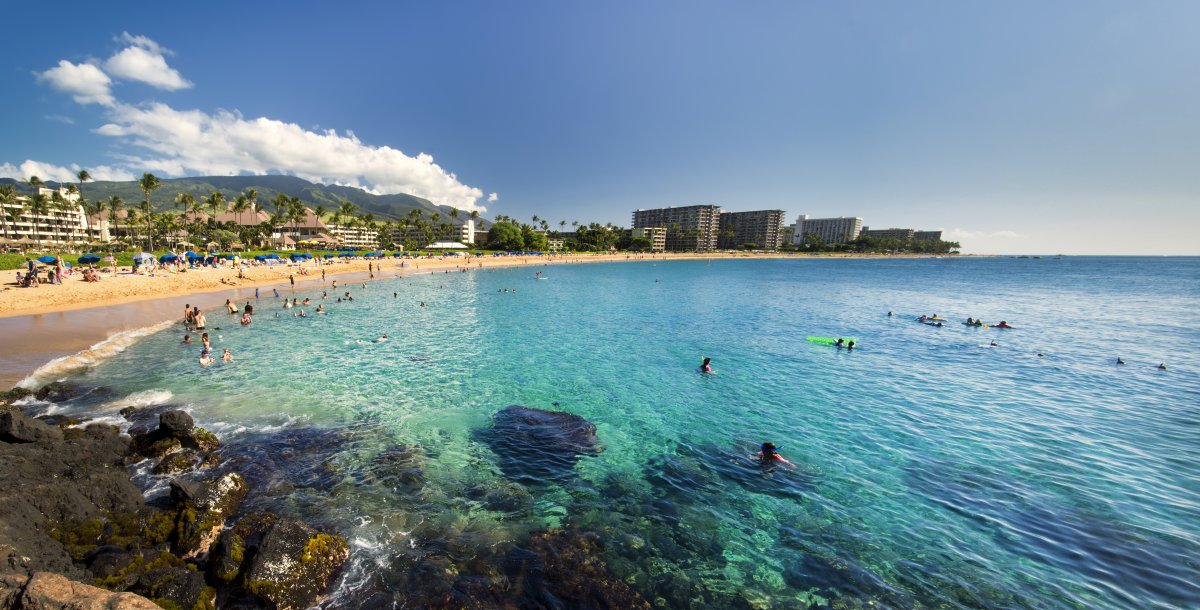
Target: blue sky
column 1017, row 127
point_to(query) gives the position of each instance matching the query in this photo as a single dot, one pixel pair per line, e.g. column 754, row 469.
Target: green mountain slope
column 384, row 207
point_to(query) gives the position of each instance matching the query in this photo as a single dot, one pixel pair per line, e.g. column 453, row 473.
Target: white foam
column 67, row 365
column 145, row 398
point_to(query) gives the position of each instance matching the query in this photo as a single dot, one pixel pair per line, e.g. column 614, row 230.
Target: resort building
column 656, row 235
column 900, row 234
column 481, row 238
column 62, row 220
column 554, row 244
column 688, row 228
column 466, row 233
column 903, row 234
column 763, row 227
column 355, row 237
column 826, row 230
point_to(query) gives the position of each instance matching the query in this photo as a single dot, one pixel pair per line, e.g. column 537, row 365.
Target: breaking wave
column 85, row 359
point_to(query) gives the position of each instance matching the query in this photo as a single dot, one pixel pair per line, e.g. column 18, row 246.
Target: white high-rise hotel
column 827, row 230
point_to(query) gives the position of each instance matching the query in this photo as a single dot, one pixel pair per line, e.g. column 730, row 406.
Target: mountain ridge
column 384, row 207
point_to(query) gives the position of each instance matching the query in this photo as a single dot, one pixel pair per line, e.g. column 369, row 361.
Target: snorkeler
column 769, row 455
column 1119, row 360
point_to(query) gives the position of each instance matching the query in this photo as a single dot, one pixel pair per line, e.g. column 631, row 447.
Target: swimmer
column 850, row 346
column 993, row 344
column 204, row 339
column 246, row 319
column 395, row 295
column 205, row 358
column 380, row 339
column 839, row 343
column 706, row 366
column 1041, row 355
column 302, row 314
column 422, row 303
column 1162, row 366
column 306, row 301
column 889, row 314
column 187, row 339
column 227, row 356
column 769, row 455
column 1119, row 360
column 321, row 308
column 287, row 304
column 1002, row 324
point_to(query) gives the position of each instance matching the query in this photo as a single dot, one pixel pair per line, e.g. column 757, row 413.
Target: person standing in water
column 706, row 366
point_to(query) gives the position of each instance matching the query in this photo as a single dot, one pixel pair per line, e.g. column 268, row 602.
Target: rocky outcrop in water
column 67, row 506
column 295, row 564
column 536, row 446
column 54, row 476
column 49, row 591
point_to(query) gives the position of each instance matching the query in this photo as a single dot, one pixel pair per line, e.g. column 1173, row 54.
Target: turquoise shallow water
column 931, row 471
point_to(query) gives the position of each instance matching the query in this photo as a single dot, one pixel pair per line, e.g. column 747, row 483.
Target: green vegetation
column 882, row 245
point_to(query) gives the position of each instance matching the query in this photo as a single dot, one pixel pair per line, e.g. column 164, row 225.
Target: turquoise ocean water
column 932, row 470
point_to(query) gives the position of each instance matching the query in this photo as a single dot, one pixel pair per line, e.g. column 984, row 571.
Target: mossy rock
column 78, row 539
column 181, row 461
column 295, row 564
column 202, row 440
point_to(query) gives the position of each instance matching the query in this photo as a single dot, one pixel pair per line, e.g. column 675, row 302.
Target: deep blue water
column 931, row 469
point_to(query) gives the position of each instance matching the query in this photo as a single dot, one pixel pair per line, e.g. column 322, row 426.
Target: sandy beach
column 49, row 322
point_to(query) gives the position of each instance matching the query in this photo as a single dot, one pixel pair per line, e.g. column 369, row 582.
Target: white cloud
column 224, row 143
column 143, row 61
column 57, row 173
column 493, row 198
column 86, row 83
column 58, row 118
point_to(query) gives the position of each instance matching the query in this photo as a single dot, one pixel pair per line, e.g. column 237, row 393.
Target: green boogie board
column 830, row 340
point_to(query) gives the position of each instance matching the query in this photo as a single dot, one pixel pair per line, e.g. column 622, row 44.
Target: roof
column 447, row 245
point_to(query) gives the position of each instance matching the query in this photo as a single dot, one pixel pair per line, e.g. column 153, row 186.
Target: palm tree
column 39, row 204
column 115, row 204
column 149, row 183
column 83, row 176
column 562, row 224
column 186, row 201
column 97, row 209
column 240, row 205
column 8, row 197
column 215, row 203
column 252, row 200
column 454, row 213
column 58, row 204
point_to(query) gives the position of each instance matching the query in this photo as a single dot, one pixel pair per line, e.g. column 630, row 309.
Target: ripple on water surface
column 931, row 469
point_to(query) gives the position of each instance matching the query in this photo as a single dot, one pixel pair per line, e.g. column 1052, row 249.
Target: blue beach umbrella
column 166, row 258
column 192, row 255
column 231, row 257
column 260, row 258
column 49, row 260
column 274, row 256
column 328, row 256
column 88, row 259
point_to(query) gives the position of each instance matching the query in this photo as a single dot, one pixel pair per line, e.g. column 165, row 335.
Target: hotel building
column 763, row 227
column 688, row 228
column 827, row 230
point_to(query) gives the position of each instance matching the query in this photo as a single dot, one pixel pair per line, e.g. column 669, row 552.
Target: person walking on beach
column 292, row 279
column 322, row 276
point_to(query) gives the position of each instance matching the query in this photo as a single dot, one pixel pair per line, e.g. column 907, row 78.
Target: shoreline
column 84, row 315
